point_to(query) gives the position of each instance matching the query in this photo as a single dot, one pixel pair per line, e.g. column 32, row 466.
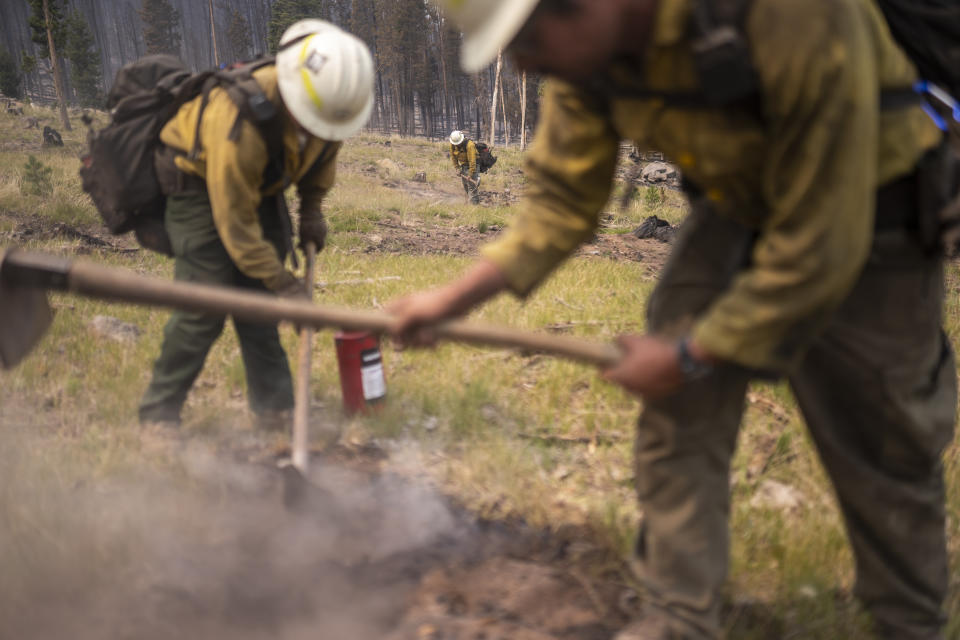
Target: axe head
column 24, row 317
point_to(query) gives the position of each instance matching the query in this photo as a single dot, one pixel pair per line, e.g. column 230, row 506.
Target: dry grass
column 505, row 434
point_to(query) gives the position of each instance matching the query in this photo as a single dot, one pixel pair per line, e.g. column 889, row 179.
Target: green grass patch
column 506, row 434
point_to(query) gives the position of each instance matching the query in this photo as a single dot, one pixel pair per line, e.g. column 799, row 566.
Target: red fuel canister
column 361, row 370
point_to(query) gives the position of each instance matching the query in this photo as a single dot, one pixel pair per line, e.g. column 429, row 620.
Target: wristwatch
column 690, row 367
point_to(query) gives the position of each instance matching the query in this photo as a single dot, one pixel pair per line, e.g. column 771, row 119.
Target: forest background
column 420, row 90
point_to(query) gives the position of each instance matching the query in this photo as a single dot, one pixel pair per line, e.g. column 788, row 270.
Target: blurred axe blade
column 25, row 317
column 24, row 313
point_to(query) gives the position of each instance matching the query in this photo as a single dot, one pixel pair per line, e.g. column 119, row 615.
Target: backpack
column 928, row 31
column 485, row 158
column 118, row 170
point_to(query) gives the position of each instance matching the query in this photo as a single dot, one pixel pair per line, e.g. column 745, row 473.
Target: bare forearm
column 481, row 282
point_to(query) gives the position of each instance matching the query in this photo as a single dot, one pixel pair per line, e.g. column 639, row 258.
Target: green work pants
column 471, row 188
column 201, row 257
column 877, row 390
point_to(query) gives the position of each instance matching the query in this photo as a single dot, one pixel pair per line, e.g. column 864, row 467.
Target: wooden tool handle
column 90, row 279
column 300, row 441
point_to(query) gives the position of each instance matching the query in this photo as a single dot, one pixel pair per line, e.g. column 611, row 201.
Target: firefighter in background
column 223, row 213
column 801, row 258
column 463, row 154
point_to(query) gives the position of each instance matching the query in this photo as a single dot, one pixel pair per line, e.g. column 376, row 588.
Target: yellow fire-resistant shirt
column 234, row 172
column 464, row 157
column 803, row 174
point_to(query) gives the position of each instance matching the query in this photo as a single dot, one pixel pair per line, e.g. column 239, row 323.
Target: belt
column 172, row 180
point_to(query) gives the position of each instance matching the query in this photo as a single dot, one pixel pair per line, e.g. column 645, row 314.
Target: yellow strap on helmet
column 305, row 74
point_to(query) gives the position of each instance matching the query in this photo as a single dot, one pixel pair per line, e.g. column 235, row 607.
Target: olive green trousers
column 470, row 186
column 201, row 257
column 877, row 390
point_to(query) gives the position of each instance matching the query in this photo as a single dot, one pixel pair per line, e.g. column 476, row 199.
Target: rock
column 665, row 234
column 32, row 123
column 14, row 111
column 778, row 496
column 115, row 329
column 420, row 176
column 654, row 227
column 51, row 137
column 658, row 172
column 388, row 166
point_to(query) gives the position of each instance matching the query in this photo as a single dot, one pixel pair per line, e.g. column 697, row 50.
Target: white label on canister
column 374, row 385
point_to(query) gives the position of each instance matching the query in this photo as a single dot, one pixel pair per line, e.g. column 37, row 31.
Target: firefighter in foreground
column 224, row 213
column 800, row 259
column 464, row 155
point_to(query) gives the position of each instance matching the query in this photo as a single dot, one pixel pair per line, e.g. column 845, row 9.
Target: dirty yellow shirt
column 234, row 173
column 467, row 156
column 803, row 174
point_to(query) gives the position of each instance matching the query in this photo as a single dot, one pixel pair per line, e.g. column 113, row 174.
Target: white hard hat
column 487, row 25
column 326, row 79
column 456, row 138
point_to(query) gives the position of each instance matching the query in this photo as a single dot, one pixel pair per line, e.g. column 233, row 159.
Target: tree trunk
column 213, row 36
column 443, row 75
column 493, row 105
column 523, row 113
column 480, row 97
column 503, row 109
column 57, row 72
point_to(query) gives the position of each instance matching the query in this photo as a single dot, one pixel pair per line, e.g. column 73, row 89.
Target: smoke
column 207, row 552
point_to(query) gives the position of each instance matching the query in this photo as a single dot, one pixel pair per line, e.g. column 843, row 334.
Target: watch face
column 690, row 367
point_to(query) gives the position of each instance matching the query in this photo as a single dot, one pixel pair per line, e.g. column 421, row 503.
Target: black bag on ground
column 485, row 158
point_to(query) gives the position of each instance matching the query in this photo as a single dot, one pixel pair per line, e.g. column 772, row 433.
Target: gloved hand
column 313, row 228
column 291, row 287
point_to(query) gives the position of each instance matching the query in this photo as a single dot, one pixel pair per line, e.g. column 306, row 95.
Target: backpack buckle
column 724, row 67
column 261, row 107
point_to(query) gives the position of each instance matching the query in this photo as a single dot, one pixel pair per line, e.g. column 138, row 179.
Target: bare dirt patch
column 392, row 237
column 90, row 237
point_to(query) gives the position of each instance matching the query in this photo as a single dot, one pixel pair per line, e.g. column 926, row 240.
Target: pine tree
column 284, row 13
column 161, row 27
column 238, row 35
column 84, row 61
column 38, row 26
column 48, row 31
column 10, row 77
column 28, row 66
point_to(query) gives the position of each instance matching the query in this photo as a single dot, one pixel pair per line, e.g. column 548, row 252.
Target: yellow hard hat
column 487, row 25
column 325, row 76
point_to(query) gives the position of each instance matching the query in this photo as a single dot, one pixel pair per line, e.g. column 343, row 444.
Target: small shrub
column 36, row 178
column 653, row 197
column 483, row 226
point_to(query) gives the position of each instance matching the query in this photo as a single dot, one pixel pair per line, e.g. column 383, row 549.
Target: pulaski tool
column 25, row 314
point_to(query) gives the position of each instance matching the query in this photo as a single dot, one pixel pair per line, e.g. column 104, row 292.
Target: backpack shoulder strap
column 253, row 106
column 320, row 161
column 724, row 65
column 722, row 58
